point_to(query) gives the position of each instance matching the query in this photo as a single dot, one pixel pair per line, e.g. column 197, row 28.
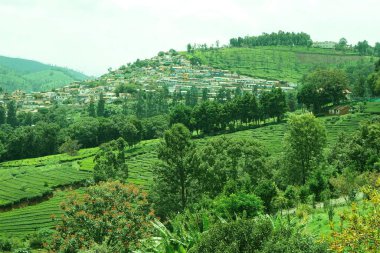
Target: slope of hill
column 276, row 62
column 140, row 160
column 31, row 75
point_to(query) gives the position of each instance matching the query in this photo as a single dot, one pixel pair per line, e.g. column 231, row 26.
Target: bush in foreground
column 110, row 213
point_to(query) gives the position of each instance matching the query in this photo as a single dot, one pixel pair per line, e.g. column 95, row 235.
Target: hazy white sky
column 93, row 35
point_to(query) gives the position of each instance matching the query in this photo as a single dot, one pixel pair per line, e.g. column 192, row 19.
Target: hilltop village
column 170, row 70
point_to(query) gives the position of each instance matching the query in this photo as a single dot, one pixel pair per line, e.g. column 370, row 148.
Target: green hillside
column 277, row 62
column 30, row 75
column 140, row 159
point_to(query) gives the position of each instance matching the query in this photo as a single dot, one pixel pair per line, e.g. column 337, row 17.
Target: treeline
column 212, row 116
column 323, row 88
column 362, row 47
column 59, row 129
column 44, row 132
column 273, row 39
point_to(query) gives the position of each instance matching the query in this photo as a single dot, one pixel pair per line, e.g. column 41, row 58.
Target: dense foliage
column 110, row 162
column 323, row 87
column 257, row 235
column 273, row 39
column 358, row 230
column 213, row 116
column 110, row 213
column 304, row 143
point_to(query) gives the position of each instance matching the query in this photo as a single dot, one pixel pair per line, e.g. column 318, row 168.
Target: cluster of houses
column 325, row 44
column 172, row 71
column 78, row 93
column 177, row 74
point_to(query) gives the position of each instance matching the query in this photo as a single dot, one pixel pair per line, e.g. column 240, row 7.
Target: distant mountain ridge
column 29, row 75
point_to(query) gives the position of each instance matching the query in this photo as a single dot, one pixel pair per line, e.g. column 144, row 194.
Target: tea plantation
column 25, row 179
column 280, row 63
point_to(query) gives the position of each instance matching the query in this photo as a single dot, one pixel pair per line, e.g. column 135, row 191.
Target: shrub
column 267, row 191
column 110, row 213
column 5, row 244
column 237, row 236
column 22, row 250
column 358, row 231
column 238, row 204
column 291, row 239
column 41, row 238
column 292, row 195
column 303, row 211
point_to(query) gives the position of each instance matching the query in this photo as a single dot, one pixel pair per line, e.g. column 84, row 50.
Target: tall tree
column 140, row 106
column 110, row 162
column 91, row 108
column 341, row 45
column 172, row 177
column 11, row 113
column 3, row 118
column 376, row 49
column 277, row 103
column 101, row 105
column 373, row 81
column 304, row 143
column 363, row 47
column 189, row 48
column 204, row 94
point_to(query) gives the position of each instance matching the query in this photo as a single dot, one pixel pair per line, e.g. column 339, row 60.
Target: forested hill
column 288, row 63
column 31, row 75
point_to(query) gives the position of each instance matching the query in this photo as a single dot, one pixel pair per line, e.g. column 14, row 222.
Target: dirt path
column 319, row 205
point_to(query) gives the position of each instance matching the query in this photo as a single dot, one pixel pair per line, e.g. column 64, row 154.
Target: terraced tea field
column 373, row 107
column 27, row 179
column 25, row 183
column 62, row 169
column 23, row 221
column 277, row 62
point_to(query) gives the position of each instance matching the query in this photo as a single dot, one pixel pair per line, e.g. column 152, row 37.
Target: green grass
column 23, row 221
column 50, row 160
column 25, row 183
column 318, row 222
column 280, row 63
column 373, row 107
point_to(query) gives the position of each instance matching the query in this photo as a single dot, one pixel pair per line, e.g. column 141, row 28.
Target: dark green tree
column 341, row 45
column 11, row 113
column 204, row 94
column 140, row 106
column 240, row 162
column 238, row 204
column 321, row 87
column 376, row 49
column 171, row 178
column 70, row 147
column 110, row 162
column 267, row 191
column 363, row 47
column 3, row 118
column 101, row 106
column 181, row 114
column 91, row 108
column 304, row 143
